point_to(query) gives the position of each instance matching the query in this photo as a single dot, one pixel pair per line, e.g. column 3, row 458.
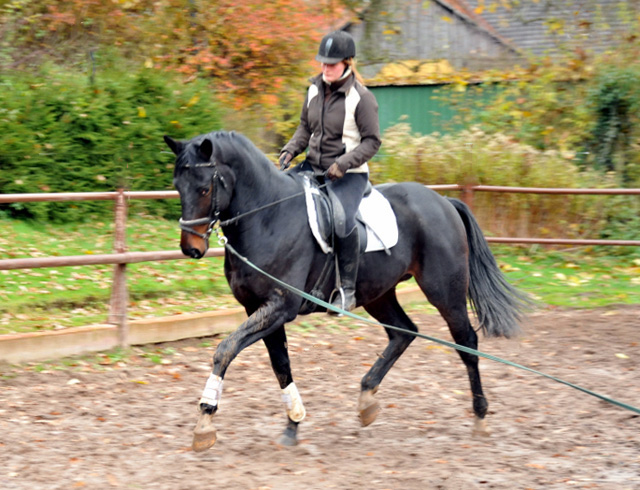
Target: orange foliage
column 247, row 46
column 254, row 52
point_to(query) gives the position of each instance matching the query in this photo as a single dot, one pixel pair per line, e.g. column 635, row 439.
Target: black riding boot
column 348, row 251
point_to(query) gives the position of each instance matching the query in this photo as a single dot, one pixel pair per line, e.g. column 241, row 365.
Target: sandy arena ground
column 128, row 423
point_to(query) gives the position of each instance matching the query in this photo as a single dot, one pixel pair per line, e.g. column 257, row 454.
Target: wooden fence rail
column 120, row 258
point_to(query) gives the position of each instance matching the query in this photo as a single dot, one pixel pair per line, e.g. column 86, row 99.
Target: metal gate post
column 119, row 294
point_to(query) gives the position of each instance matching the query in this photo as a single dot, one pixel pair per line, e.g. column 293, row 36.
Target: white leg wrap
column 212, row 391
column 293, row 402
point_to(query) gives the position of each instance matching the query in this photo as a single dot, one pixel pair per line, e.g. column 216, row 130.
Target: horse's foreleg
column 264, row 321
column 386, row 310
column 204, row 435
column 276, row 343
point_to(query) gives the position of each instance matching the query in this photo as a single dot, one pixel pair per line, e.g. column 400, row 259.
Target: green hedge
column 61, row 133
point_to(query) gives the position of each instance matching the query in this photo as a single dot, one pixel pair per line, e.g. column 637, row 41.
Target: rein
column 261, row 208
column 214, row 213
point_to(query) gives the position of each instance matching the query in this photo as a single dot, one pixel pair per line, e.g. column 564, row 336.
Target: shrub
column 615, row 96
column 476, row 157
column 61, row 133
column 587, row 104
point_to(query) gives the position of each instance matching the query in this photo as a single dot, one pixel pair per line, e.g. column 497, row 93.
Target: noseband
column 214, row 209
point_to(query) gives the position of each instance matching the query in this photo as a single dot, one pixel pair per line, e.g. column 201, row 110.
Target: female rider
column 339, row 126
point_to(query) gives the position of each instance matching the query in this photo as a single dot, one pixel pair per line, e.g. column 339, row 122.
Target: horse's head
column 205, row 186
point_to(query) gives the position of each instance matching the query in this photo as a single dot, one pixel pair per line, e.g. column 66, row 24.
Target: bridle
column 214, row 210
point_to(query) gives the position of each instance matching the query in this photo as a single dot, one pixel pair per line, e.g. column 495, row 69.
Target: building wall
column 429, row 108
column 427, row 30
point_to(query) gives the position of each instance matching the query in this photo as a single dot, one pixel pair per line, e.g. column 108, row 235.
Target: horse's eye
column 204, row 191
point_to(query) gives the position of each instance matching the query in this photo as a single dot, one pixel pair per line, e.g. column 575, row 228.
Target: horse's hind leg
column 457, row 319
column 276, row 343
column 385, row 309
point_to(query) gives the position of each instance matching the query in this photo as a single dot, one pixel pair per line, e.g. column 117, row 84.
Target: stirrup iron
column 343, row 297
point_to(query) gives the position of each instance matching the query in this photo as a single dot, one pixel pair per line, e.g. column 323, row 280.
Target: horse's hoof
column 289, row 436
column 204, row 435
column 480, row 428
column 368, row 415
column 368, row 407
column 287, row 440
column 203, row 441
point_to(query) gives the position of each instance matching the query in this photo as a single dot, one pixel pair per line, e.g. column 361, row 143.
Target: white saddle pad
column 374, row 211
column 380, row 221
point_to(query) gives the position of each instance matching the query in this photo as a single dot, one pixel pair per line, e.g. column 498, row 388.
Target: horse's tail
column 498, row 306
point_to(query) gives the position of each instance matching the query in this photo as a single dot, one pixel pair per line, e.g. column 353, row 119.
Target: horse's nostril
column 194, row 253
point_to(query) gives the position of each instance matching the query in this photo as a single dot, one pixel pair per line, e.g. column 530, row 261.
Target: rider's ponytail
column 351, row 63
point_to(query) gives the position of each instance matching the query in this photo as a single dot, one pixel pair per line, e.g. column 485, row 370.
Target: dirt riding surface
column 127, row 423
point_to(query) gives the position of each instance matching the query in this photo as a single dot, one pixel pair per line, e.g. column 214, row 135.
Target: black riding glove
column 285, row 160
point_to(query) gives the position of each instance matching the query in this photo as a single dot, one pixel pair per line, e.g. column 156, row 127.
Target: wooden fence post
column 467, row 195
column 119, row 294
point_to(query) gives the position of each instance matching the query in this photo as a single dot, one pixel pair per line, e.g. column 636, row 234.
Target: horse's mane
column 226, row 145
column 232, row 143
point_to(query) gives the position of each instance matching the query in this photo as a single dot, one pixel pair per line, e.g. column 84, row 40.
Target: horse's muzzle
column 192, row 245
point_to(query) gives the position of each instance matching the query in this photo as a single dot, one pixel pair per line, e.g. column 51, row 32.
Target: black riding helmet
column 335, row 47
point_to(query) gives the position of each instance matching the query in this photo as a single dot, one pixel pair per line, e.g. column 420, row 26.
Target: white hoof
column 480, row 428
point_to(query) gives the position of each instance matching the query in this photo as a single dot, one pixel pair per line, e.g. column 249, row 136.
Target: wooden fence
column 120, row 258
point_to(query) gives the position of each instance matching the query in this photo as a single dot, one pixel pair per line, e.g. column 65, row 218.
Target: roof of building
column 542, row 27
column 476, row 35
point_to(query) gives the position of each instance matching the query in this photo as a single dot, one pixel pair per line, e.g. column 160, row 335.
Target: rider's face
column 333, row 72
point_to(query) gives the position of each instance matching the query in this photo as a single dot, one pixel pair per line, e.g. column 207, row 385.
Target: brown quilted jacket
column 338, row 125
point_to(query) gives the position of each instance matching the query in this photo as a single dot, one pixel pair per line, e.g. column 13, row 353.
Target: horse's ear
column 176, row 146
column 206, row 149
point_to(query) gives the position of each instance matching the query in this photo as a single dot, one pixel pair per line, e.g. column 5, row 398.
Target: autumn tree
column 255, row 53
column 64, row 31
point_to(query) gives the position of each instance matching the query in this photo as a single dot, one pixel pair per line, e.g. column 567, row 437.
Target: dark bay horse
column 222, row 177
